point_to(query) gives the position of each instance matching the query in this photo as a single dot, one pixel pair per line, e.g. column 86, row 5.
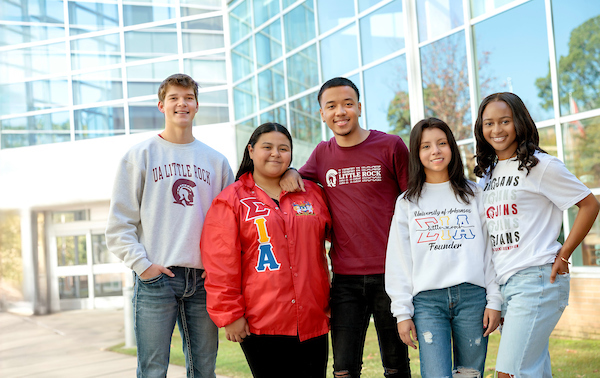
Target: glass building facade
column 426, row 58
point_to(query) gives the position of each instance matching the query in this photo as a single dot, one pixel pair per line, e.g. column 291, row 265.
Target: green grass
column 570, row 358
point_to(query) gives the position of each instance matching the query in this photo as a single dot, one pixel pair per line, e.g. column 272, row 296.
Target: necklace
column 269, row 193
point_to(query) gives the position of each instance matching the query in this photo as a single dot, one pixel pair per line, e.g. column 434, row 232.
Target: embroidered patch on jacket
column 305, row 208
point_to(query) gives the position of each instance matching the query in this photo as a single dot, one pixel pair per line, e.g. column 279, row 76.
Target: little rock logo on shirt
column 183, row 192
column 353, row 175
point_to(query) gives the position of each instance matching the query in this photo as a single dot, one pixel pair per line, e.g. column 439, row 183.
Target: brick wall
column 580, row 319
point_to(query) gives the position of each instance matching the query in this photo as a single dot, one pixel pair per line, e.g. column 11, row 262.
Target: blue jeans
column 353, row 299
column 531, row 307
column 158, row 303
column 451, row 320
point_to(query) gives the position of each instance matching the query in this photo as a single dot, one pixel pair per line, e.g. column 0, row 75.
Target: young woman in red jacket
column 264, row 253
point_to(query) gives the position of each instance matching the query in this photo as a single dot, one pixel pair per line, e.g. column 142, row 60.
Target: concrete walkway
column 66, row 344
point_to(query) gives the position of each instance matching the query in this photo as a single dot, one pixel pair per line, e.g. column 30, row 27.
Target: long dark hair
column 416, row 171
column 528, row 138
column 247, row 165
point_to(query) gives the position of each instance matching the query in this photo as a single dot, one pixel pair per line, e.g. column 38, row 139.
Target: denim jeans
column 354, row 298
column 158, row 303
column 285, row 356
column 531, row 307
column 451, row 320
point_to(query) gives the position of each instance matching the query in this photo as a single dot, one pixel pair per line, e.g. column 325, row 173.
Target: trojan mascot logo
column 331, row 178
column 183, row 192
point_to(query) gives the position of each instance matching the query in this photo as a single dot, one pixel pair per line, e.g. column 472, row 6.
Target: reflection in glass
column 215, row 97
column 382, row 32
column 48, row 11
column 479, row 7
column 16, row 34
column 71, row 250
column 508, row 64
column 287, row 3
column 467, row 155
column 33, row 95
column 203, row 34
column 97, row 87
column 73, row 287
column 299, row 25
column 302, row 70
column 210, row 114
column 42, row 122
column 109, row 284
column 339, row 52
column 141, row 14
column 207, row 70
column 144, row 79
column 578, row 54
column 69, row 216
column 275, row 115
column 244, row 98
column 333, row 13
column 269, row 44
column 150, row 43
column 437, row 17
column 271, row 86
column 548, row 140
column 33, row 62
column 10, row 140
column 365, row 4
column 101, row 255
column 305, row 120
column 240, row 21
column 242, row 59
column 264, row 10
column 95, row 51
column 446, row 83
column 88, row 17
column 386, row 98
column 99, row 122
column 145, row 116
column 581, row 152
column 588, row 252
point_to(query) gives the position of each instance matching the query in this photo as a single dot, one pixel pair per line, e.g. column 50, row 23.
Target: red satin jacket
column 267, row 262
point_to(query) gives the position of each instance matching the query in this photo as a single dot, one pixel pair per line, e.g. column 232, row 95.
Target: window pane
column 505, row 63
column 145, row 116
column 344, row 44
column 210, row 114
column 242, row 59
column 269, row 44
column 50, row 11
column 436, row 17
column 150, row 43
column 96, row 51
column 588, row 252
column 467, row 154
column 58, row 121
column 244, row 99
column 32, row 62
column 71, row 250
column 305, row 121
column 366, row 4
column 99, row 122
column 582, row 155
column 100, row 251
column 302, row 70
column 333, row 13
column 69, row 216
column 386, row 97
column 97, row 87
column 299, row 25
column 15, row 34
column 548, row 140
column 576, row 29
column 239, row 21
column 140, row 14
column 109, row 285
column 275, row 115
column 264, row 10
column 88, row 17
column 208, row 70
column 479, row 7
column 10, row 140
column 203, row 34
column 271, row 86
column 33, row 95
column 446, row 83
column 144, row 79
column 73, row 287
column 382, row 32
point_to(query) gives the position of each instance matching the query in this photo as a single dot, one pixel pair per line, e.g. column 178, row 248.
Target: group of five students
column 428, row 254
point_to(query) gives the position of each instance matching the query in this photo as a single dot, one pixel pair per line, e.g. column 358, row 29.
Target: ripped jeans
column 451, row 320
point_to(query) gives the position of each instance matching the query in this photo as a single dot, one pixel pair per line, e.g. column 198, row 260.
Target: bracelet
column 565, row 260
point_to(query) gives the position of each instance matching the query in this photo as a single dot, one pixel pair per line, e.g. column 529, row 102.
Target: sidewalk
column 66, row 344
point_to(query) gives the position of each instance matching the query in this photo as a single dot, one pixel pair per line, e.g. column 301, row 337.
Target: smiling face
column 271, row 156
column 499, row 129
column 179, row 106
column 340, row 110
column 435, row 154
